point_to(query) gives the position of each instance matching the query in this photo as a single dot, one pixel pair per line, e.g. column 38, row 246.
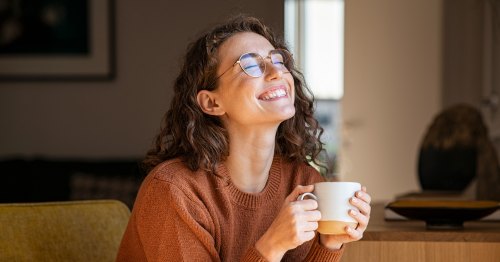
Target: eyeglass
column 254, row 64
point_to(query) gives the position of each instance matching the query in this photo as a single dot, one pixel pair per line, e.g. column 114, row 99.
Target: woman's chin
column 287, row 113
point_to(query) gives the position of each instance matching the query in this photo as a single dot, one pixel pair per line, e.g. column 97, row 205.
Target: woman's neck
column 250, row 158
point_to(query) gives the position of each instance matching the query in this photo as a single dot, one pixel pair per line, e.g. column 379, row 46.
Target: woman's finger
column 306, row 204
column 362, row 219
column 308, row 236
column 298, row 190
column 313, row 215
column 353, row 233
column 363, row 206
column 364, row 195
column 310, row 226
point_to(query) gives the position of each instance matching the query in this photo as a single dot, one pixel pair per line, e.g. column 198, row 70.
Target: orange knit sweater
column 180, row 215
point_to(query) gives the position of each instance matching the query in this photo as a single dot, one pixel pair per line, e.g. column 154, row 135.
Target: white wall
column 118, row 118
column 392, row 90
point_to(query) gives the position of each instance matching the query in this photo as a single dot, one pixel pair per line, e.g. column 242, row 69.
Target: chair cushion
column 62, row 231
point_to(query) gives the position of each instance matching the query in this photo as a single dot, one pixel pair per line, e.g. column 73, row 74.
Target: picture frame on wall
column 57, row 40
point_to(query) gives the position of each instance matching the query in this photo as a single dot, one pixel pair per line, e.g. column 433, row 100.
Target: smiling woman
column 232, row 158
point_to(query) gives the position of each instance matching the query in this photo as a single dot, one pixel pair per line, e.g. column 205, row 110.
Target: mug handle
column 302, row 196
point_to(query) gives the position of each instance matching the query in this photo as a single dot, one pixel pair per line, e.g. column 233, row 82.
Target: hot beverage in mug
column 333, row 203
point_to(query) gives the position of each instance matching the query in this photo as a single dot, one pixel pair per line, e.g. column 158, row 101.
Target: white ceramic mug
column 333, row 203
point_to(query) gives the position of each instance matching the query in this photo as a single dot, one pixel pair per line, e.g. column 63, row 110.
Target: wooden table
column 408, row 241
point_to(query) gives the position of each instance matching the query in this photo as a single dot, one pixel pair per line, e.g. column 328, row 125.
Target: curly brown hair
column 201, row 140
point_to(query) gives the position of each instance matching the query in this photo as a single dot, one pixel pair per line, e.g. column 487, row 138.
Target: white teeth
column 274, row 94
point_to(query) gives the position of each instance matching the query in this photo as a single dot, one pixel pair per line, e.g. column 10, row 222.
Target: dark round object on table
column 446, row 169
column 443, row 214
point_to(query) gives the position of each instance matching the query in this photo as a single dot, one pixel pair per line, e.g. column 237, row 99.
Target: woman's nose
column 274, row 71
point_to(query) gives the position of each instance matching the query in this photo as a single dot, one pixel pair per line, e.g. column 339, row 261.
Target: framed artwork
column 57, row 40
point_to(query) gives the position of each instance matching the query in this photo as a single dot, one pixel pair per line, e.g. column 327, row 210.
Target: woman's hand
column 361, row 200
column 295, row 224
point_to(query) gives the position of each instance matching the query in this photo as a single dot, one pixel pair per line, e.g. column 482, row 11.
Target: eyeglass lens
column 254, row 64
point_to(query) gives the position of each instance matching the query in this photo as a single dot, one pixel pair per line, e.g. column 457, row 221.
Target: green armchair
column 62, row 231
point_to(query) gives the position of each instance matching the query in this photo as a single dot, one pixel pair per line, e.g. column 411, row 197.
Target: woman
column 231, row 160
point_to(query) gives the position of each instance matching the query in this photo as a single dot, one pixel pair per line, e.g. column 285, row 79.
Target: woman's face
column 246, row 100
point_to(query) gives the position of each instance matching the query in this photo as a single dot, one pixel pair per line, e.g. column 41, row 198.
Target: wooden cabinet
column 410, row 241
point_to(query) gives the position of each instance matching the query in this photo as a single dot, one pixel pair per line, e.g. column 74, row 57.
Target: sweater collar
column 249, row 200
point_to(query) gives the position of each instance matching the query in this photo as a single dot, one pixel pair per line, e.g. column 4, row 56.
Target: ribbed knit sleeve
column 320, row 253
column 317, row 253
column 252, row 255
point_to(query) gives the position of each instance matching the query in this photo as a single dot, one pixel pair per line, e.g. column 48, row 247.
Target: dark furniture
column 42, row 179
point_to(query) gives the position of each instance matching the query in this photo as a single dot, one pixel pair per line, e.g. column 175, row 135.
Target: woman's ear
column 208, row 103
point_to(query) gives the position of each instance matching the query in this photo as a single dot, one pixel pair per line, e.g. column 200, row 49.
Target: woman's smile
column 274, row 93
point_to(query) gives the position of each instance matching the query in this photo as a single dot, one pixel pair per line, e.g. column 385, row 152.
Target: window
column 314, row 30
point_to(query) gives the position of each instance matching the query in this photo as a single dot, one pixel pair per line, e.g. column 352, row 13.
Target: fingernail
column 359, row 194
column 354, row 200
column 353, row 212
